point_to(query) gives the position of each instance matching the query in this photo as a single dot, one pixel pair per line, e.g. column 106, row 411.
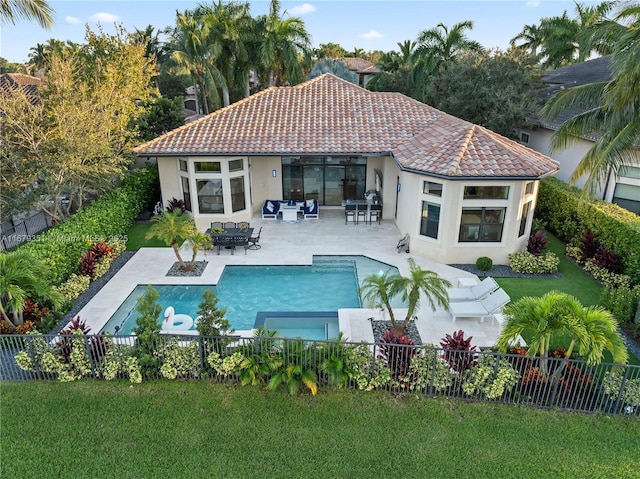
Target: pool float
column 176, row 322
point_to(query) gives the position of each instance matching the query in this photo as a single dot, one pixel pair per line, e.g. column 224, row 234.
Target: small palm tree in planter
column 377, row 291
column 174, row 227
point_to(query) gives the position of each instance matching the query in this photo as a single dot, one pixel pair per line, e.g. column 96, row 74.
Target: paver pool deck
column 289, row 243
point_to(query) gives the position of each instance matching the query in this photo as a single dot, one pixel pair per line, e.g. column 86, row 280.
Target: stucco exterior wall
column 263, row 184
column 169, row 182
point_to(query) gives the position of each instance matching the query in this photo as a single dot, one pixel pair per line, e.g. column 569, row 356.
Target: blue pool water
column 329, row 284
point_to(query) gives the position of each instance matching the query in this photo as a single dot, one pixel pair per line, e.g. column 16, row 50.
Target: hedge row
column 566, row 215
column 108, row 218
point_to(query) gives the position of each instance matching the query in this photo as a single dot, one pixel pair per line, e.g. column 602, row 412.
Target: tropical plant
column 37, row 10
column 458, row 351
column 284, row 41
column 609, row 110
column 173, row 227
column 537, row 243
column 397, row 350
column 211, row 323
column 147, row 330
column 591, row 329
column 377, row 290
column 23, row 277
column 296, row 369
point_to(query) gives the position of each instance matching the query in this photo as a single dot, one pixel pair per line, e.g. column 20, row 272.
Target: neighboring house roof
column 29, row 84
column 591, row 71
column 360, row 65
column 328, row 115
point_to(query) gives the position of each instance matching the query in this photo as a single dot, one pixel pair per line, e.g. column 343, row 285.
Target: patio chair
column 270, row 209
column 361, row 212
column 217, row 224
column 375, row 213
column 479, row 291
column 243, row 225
column 254, row 240
column 350, row 212
column 229, row 225
column 483, row 308
column 310, row 209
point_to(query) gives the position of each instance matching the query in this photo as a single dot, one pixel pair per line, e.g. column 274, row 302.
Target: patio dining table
column 230, row 238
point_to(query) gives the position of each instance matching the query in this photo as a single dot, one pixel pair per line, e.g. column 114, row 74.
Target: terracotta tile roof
column 27, row 83
column 328, row 115
column 360, row 65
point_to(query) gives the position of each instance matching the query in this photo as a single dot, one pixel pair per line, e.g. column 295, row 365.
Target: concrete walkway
column 295, row 243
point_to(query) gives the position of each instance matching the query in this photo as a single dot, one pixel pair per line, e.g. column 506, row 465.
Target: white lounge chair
column 479, row 291
column 483, row 308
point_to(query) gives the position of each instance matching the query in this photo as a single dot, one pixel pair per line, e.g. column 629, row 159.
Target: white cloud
column 533, row 3
column 104, row 17
column 302, row 9
column 371, row 34
column 72, row 20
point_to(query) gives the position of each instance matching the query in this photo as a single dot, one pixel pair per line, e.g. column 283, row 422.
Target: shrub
column 607, row 278
column 608, row 260
column 397, row 350
column 147, row 331
column 368, row 372
column 527, row 263
column 458, row 351
column 88, row 264
column 179, row 361
column 569, row 216
column 484, row 263
column 427, row 371
column 74, row 286
column 175, row 204
column 488, row 379
column 622, row 302
column 537, row 243
column 612, row 385
column 588, row 245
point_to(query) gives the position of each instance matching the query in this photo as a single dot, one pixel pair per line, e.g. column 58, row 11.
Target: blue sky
column 366, row 24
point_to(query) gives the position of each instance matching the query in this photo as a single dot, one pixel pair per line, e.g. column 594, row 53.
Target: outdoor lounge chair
column 483, row 308
column 310, row 209
column 270, row 209
column 479, row 291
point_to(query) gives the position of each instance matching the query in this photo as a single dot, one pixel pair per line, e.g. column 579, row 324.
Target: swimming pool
column 329, row 284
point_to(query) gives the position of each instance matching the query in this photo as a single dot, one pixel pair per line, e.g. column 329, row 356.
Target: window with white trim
column 478, row 224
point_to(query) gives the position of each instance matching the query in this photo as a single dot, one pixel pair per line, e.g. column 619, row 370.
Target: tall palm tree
column 610, row 110
column 337, row 67
column 172, row 227
column 195, row 56
column 283, row 42
column 23, row 277
column 559, row 314
column 531, row 37
column 439, row 46
column 38, row 10
column 378, row 290
column 229, row 29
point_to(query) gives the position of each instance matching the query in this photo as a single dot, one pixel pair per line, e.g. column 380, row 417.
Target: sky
column 366, row 24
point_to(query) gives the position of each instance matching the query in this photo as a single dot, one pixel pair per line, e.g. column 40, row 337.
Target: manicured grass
column 136, row 239
column 201, row 429
column 574, row 281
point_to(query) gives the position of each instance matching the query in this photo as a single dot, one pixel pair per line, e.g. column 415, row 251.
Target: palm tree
column 610, row 110
column 554, row 314
column 38, row 10
column 283, row 42
column 195, row 56
column 23, row 277
column 173, row 227
column 439, row 46
column 531, row 36
column 377, row 290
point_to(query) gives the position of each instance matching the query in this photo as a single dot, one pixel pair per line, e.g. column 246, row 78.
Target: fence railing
column 470, row 375
column 15, row 233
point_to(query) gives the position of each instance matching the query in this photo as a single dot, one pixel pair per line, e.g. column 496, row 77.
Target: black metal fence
column 279, row 362
column 14, row 233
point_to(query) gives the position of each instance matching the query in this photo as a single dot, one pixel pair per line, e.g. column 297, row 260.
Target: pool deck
column 290, row 243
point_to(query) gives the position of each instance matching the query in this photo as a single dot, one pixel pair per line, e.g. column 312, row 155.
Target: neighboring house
column 29, row 84
column 459, row 190
column 363, row 68
column 624, row 189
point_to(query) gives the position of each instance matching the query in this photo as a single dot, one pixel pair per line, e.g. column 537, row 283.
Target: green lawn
column 574, row 280
column 136, row 239
column 200, row 429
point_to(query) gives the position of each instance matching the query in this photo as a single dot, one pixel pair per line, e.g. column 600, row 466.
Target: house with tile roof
column 459, row 190
column 20, row 81
column 361, row 67
column 624, row 189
